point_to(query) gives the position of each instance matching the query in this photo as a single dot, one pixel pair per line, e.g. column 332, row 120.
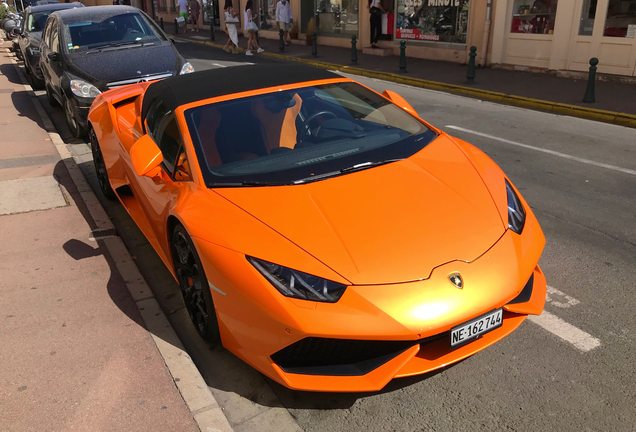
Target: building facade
column 566, row 34
column 433, row 29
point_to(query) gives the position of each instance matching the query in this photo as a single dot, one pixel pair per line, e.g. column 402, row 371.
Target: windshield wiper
column 246, row 183
column 365, row 165
column 120, row 44
column 356, row 167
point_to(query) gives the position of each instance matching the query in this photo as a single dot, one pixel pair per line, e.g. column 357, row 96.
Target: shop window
column 210, row 12
column 432, row 20
column 337, row 17
column 533, row 16
column 587, row 17
column 267, row 14
column 621, row 19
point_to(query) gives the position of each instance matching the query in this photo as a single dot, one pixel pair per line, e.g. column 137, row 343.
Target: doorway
column 606, row 29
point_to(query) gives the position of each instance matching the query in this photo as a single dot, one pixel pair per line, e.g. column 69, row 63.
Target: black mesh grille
column 341, row 357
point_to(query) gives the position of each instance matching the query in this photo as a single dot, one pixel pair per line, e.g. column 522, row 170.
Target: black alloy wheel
column 100, row 168
column 194, row 285
column 76, row 129
column 49, row 97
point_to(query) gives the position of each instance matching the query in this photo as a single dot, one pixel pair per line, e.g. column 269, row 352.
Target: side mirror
column 399, row 101
column 53, row 56
column 146, row 157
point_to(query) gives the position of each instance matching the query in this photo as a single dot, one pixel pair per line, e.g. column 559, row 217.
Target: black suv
column 30, row 35
column 86, row 51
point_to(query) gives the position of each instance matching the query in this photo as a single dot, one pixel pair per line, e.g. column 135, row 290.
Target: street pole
column 354, row 51
column 402, row 63
column 470, row 73
column 589, row 96
column 314, row 45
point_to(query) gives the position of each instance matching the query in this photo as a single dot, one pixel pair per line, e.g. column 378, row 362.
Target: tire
column 49, row 97
column 194, row 285
column 76, row 129
column 100, row 168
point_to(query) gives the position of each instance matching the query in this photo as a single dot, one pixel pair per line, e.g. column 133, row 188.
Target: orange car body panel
column 388, row 242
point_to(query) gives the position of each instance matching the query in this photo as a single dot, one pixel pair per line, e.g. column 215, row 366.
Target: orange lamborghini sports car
column 323, row 232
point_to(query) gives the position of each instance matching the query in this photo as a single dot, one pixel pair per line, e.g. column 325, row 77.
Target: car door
column 23, row 38
column 160, row 194
column 55, row 66
column 44, row 50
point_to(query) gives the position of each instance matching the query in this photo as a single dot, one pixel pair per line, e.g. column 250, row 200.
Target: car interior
column 275, row 123
column 117, row 29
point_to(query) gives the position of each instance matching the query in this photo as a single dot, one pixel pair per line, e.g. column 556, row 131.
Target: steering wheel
column 305, row 124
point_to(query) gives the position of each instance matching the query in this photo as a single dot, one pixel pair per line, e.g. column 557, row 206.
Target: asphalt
column 613, row 96
column 75, row 354
column 532, row 380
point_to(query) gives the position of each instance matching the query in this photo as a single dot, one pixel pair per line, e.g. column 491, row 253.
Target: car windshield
column 301, row 135
column 122, row 30
column 37, row 20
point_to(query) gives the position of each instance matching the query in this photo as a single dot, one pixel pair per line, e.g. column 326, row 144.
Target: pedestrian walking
column 195, row 11
column 231, row 20
column 376, row 9
column 251, row 29
column 183, row 13
column 285, row 19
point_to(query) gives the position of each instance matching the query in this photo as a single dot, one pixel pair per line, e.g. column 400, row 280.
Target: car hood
column 122, row 64
column 389, row 224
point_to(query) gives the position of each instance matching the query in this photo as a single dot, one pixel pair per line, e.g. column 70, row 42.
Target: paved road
column 570, row 370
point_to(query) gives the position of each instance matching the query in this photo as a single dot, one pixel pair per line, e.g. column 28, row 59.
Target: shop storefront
column 432, row 20
column 433, row 29
column 564, row 35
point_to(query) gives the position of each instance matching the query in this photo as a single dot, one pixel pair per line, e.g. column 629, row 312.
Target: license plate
column 473, row 329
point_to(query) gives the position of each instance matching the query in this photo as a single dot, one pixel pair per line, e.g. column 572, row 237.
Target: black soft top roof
column 184, row 89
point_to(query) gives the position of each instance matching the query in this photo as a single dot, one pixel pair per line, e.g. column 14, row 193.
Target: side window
column 169, row 140
column 161, row 125
column 55, row 42
column 156, row 112
column 45, row 35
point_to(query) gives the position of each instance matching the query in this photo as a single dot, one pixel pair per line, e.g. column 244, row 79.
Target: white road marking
column 219, row 65
column 560, row 299
column 555, row 325
column 543, row 150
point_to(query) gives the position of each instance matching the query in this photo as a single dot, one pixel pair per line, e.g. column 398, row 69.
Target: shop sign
column 443, row 3
column 402, row 33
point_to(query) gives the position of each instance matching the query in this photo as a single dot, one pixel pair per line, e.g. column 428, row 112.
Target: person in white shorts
column 284, row 18
column 251, row 29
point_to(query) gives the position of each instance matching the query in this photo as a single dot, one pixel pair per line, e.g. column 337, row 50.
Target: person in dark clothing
column 376, row 9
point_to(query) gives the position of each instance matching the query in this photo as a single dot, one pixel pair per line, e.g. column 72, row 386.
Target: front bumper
column 406, row 324
column 80, row 107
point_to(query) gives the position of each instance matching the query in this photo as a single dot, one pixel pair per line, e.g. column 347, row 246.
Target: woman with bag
column 251, row 28
column 231, row 20
column 375, row 8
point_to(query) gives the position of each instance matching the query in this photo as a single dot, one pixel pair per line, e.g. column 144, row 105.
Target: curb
column 617, row 118
column 189, row 382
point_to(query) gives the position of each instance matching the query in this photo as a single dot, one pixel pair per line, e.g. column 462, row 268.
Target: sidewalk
column 75, row 354
column 611, row 96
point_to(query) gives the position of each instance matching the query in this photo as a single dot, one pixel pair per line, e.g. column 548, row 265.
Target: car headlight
column 186, row 68
column 299, row 285
column 516, row 212
column 83, row 89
